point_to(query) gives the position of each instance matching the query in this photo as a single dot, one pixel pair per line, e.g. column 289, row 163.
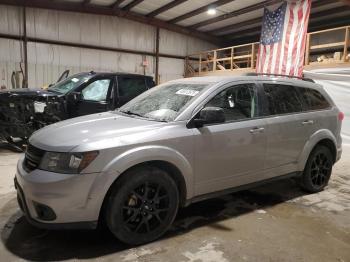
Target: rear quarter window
column 282, row 99
column 313, row 99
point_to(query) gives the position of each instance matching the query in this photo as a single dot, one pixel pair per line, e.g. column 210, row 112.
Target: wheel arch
column 321, row 137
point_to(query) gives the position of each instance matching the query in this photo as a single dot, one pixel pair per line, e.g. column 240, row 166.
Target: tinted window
column 313, row 99
column 131, row 87
column 282, row 99
column 238, row 102
column 97, row 90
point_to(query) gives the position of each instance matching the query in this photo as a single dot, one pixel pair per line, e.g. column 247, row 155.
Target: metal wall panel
column 47, row 61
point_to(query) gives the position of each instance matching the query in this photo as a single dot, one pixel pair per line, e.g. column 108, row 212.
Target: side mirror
column 210, row 115
column 75, row 96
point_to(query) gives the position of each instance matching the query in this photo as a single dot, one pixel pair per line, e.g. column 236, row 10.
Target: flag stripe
column 283, row 39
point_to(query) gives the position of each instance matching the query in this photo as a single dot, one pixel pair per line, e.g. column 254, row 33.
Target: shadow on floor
column 30, row 243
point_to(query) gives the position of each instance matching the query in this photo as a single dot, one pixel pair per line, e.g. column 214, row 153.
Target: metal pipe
column 157, row 56
column 25, row 48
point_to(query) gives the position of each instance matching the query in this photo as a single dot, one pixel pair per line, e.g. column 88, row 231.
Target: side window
column 97, row 90
column 131, row 87
column 282, row 99
column 314, row 100
column 238, row 102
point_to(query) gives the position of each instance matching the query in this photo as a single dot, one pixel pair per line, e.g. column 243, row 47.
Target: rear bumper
column 339, row 153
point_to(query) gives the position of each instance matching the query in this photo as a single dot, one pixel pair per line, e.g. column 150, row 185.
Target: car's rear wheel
column 318, row 170
column 142, row 205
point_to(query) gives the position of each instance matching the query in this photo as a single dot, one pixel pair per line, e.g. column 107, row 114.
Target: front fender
column 310, row 144
column 143, row 154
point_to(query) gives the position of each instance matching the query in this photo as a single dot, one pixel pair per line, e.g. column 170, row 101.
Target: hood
column 93, row 132
column 26, row 92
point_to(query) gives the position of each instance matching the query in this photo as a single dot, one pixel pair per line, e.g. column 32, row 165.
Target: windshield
column 164, row 102
column 69, row 83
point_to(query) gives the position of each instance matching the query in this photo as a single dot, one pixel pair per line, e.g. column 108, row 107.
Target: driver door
column 96, row 97
column 232, row 153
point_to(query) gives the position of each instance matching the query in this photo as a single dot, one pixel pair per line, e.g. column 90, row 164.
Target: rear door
column 130, row 87
column 96, row 96
column 286, row 133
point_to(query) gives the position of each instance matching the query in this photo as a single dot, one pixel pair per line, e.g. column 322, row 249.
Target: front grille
column 32, row 158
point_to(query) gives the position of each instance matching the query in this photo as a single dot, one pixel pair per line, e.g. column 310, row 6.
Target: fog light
column 44, row 212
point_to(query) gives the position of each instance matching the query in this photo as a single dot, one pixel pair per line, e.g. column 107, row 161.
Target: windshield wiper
column 133, row 114
column 139, row 115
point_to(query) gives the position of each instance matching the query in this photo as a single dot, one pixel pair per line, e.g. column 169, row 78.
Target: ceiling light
column 211, row 11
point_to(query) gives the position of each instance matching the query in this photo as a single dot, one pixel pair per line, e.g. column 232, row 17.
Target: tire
column 142, row 205
column 318, row 170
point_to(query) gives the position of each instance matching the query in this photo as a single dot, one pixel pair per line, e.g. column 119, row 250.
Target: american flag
column 283, row 38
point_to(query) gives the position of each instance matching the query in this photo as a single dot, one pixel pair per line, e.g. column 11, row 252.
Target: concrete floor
column 277, row 222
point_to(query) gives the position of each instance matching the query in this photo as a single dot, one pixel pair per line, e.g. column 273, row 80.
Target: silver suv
column 181, row 142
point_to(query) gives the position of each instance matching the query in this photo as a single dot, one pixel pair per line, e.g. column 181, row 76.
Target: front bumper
column 68, row 196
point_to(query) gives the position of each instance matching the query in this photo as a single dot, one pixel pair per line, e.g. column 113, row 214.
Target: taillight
column 341, row 116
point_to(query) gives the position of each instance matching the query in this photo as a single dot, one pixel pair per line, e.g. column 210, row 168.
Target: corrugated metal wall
column 46, row 61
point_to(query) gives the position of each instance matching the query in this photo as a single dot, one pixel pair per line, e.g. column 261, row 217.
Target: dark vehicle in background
column 23, row 111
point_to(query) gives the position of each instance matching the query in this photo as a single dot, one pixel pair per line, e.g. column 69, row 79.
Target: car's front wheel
column 142, row 205
column 318, row 170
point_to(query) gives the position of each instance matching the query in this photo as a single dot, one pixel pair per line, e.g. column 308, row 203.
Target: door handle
column 307, row 122
column 257, row 130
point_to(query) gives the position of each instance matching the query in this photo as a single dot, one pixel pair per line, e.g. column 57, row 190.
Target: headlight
column 67, row 163
column 39, row 107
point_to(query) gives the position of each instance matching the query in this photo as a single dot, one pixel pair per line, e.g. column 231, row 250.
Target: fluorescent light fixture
column 211, row 11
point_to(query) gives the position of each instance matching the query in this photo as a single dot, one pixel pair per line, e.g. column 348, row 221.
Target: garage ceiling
column 235, row 21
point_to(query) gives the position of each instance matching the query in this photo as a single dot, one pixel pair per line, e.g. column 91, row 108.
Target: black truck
column 22, row 111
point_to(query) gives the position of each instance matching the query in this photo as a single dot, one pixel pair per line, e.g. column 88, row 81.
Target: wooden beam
column 165, row 8
column 242, row 11
column 346, row 45
column 102, row 10
column 132, row 4
column 116, row 4
column 199, row 10
column 86, row 2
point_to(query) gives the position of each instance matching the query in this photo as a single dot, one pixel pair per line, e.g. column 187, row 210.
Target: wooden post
column 200, row 64
column 214, row 60
column 346, row 44
column 253, row 56
column 307, row 50
column 157, row 56
column 25, row 49
column 231, row 58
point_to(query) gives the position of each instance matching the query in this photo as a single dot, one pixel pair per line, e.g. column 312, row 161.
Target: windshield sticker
column 75, row 80
column 187, row 92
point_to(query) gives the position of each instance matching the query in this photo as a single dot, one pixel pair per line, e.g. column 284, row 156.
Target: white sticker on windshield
column 187, row 92
column 75, row 80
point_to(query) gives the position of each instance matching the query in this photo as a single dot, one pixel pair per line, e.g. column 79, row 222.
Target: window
column 164, row 102
column 238, row 102
column 97, row 90
column 313, row 99
column 70, row 83
column 282, row 99
column 131, row 87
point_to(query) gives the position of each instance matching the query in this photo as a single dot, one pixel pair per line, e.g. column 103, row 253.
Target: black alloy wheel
column 318, row 169
column 142, row 205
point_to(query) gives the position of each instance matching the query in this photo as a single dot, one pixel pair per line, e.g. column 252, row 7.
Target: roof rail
column 288, row 76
